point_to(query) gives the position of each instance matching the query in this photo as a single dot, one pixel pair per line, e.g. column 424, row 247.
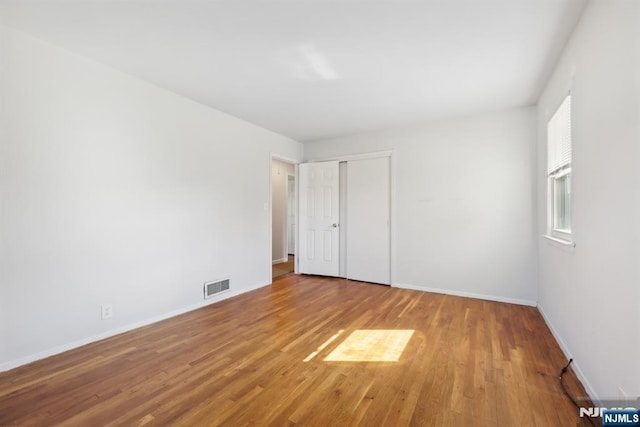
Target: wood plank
column 259, row 359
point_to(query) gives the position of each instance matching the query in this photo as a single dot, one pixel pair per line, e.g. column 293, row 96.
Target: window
column 559, row 171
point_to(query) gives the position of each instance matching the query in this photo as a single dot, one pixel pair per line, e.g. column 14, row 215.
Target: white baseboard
column 79, row 343
column 466, row 294
column 278, row 261
column 567, row 353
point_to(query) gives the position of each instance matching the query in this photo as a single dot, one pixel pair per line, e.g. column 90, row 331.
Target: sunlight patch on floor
column 372, row 345
column 323, row 346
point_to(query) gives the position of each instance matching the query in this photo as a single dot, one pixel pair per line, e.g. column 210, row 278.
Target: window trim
column 558, row 233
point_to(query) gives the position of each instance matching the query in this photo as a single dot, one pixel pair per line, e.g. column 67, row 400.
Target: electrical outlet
column 107, row 311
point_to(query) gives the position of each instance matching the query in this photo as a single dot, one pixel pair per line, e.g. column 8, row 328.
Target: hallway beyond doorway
column 283, row 268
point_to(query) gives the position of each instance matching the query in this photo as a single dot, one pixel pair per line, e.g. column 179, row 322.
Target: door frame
column 392, row 186
column 295, row 212
column 275, row 156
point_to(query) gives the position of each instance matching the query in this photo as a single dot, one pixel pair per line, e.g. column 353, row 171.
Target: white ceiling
column 312, row 69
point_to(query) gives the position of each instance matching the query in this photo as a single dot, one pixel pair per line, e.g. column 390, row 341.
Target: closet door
column 319, row 204
column 368, row 216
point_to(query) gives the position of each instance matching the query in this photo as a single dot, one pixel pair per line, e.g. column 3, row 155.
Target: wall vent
column 212, row 288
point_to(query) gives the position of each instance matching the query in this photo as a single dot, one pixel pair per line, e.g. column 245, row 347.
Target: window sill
column 560, row 243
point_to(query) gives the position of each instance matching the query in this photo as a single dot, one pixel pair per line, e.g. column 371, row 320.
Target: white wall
column 590, row 295
column 279, row 171
column 464, row 210
column 115, row 191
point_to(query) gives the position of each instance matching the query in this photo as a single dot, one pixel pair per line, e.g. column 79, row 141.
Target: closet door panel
column 368, row 220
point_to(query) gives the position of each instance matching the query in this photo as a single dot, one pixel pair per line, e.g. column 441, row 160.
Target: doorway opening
column 283, row 217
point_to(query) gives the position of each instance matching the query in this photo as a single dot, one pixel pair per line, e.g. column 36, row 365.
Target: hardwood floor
column 242, row 362
column 283, row 268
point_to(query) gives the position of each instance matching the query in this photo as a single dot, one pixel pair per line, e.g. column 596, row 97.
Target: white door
column 291, row 214
column 319, row 251
column 368, row 216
